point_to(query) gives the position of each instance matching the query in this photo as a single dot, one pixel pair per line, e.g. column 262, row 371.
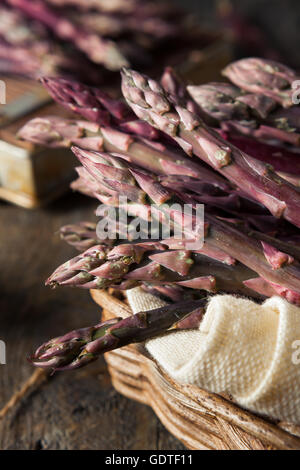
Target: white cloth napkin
column 249, row 351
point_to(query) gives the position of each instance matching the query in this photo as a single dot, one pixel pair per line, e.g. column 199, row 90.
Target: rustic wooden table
column 71, row 410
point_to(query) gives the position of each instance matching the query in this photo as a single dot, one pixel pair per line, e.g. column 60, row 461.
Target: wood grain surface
column 72, row 410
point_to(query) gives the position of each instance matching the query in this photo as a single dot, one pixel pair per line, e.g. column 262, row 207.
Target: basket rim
column 282, row 435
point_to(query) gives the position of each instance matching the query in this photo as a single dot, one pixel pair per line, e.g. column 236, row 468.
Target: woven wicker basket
column 199, row 419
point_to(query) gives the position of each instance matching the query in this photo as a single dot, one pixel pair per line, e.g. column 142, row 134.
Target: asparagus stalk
column 18, row 31
column 167, row 292
column 191, row 321
column 138, row 7
column 90, row 102
column 263, row 132
column 267, row 77
column 250, row 114
column 285, row 162
column 220, row 101
column 157, row 266
column 80, row 347
column 36, row 60
column 174, row 86
column 29, row 49
column 101, row 5
column 225, row 102
column 177, row 294
column 287, row 120
column 113, row 173
column 153, row 28
column 99, row 50
column 125, row 255
column 154, row 156
column 89, row 186
column 23, row 45
column 82, row 235
column 89, row 259
column 18, row 60
column 149, row 102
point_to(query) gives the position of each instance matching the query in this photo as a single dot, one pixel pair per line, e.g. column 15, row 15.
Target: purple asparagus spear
column 80, row 347
column 99, row 50
column 267, row 77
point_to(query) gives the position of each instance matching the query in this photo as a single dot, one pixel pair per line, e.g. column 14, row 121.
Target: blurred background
column 279, row 20
column 81, row 410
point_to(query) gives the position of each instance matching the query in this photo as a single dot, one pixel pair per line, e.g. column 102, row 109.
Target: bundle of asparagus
column 149, row 158
column 84, row 39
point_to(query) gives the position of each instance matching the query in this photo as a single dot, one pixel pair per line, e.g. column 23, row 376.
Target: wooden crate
column 198, row 418
column 30, row 175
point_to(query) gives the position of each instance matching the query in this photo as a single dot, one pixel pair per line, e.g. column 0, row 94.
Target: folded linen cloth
column 249, row 351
